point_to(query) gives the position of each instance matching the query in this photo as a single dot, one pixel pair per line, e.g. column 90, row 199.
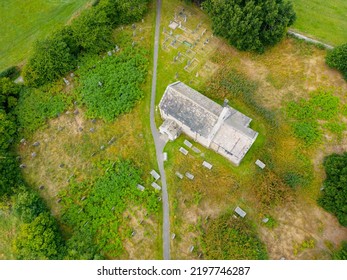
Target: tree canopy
column 335, row 187
column 250, row 25
column 337, row 58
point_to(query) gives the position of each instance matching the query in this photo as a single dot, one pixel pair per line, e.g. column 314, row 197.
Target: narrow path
column 307, row 39
column 159, row 142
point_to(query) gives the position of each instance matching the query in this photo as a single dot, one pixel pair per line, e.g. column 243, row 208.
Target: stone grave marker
column 156, row 186
column 154, row 174
column 190, row 176
column 179, row 175
column 187, row 143
column 207, row 165
column 183, row 151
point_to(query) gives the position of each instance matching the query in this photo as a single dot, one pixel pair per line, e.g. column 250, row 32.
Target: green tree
column 9, row 92
column 341, row 254
column 334, row 197
column 50, row 60
column 250, row 25
column 337, row 58
column 8, row 129
column 39, row 240
column 9, row 173
column 92, row 30
column 27, row 205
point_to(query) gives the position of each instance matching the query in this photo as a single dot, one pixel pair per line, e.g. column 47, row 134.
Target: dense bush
column 36, row 106
column 251, row 25
column 27, row 205
column 8, row 129
column 94, row 210
column 337, row 58
column 113, row 86
column 39, row 240
column 10, row 176
column 341, row 254
column 11, row 72
column 50, row 60
column 9, row 92
column 322, row 105
column 228, row 238
column 334, row 195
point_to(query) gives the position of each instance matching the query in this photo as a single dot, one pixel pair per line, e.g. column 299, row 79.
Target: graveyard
column 87, row 150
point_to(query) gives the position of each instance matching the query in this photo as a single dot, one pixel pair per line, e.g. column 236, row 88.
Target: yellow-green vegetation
column 259, row 86
column 22, row 23
column 308, row 243
column 227, row 237
column 323, row 20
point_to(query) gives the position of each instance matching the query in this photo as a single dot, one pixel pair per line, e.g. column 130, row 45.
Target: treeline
column 90, row 32
column 39, row 236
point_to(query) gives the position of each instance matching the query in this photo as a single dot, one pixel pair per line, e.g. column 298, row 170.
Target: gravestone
column 100, row 84
column 22, row 141
column 41, row 187
column 92, row 129
column 66, row 81
column 190, row 176
column 102, row 147
column 191, row 248
column 187, row 143
column 36, row 144
column 179, row 175
column 80, row 129
column 83, row 198
column 109, row 53
column 61, row 165
column 156, row 186
column 155, row 175
column 111, row 140
column 265, row 220
column 173, row 236
column 22, row 165
column 260, row 164
column 165, row 156
column 207, row 165
column 183, row 151
column 140, row 187
column 76, row 112
column 196, row 150
column 33, row 154
column 72, row 75
column 239, row 211
column 58, row 200
column 93, row 120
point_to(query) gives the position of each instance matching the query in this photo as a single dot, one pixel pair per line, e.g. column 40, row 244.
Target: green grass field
column 23, row 22
column 324, row 20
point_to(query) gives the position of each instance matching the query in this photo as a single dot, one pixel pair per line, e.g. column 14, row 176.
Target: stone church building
column 220, row 128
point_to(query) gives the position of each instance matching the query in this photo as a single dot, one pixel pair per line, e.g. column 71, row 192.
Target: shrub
column 337, row 58
column 341, row 254
column 9, row 92
column 10, row 176
column 334, row 195
column 95, row 220
column 39, row 240
column 228, row 238
column 35, row 107
column 8, row 129
column 113, row 86
column 11, row 73
column 27, row 205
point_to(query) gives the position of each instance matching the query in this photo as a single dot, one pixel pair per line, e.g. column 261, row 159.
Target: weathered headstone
column 207, row 165
column 33, row 154
column 191, row 248
column 100, row 84
column 58, row 200
column 83, row 198
column 80, row 129
column 61, row 165
column 173, row 236
column 156, row 186
column 240, row 212
column 165, row 156
column 41, row 187
column 109, row 53
column 183, row 151
column 36, row 144
column 22, row 141
column 187, row 143
column 179, row 175
column 155, row 175
column 196, row 150
column 260, row 164
column 76, row 112
column 92, row 129
column 190, row 176
column 102, row 147
column 140, row 187
column 22, row 165
column 265, row 220
column 111, row 140
column 66, row 81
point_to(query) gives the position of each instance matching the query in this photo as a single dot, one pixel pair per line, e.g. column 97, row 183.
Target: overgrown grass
column 323, row 20
column 23, row 22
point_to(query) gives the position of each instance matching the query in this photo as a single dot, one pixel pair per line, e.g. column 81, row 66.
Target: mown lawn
column 325, row 20
column 23, row 22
